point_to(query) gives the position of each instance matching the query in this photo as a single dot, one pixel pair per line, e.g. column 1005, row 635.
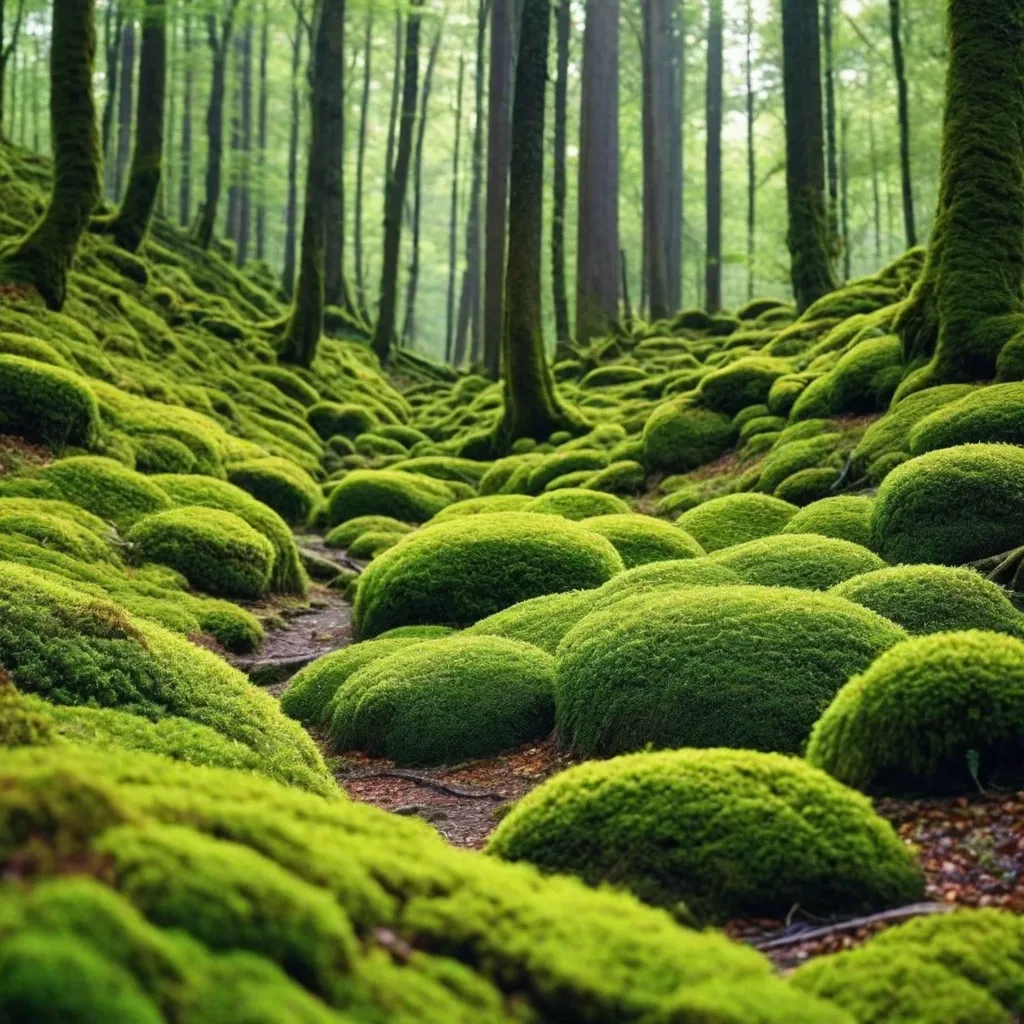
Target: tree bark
column 125, row 107
column 676, row 155
column 876, row 188
column 292, row 207
column 261, row 142
column 751, row 160
column 244, row 222
column 364, row 112
column 844, row 196
column 235, row 158
column 396, row 96
column 903, row 107
column 453, row 216
column 10, row 48
column 809, row 233
column 42, row 258
column 397, row 183
column 597, row 248
column 335, row 286
column 831, row 143
column 561, row 301
column 713, row 163
column 185, row 185
column 112, row 53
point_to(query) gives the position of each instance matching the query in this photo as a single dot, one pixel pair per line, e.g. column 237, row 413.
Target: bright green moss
column 371, row 543
column 46, row 403
column 458, row 572
column 916, row 718
column 934, row 599
column 785, row 392
column 951, row 506
column 541, row 621
column 55, row 532
column 577, row 479
column 609, row 376
column 159, row 454
column 989, row 415
column 576, row 503
column 806, row 486
column 445, row 467
column 708, row 667
column 735, row 519
column 791, row 456
column 288, row 383
column 761, row 425
column 640, row 539
column 724, row 832
column 502, row 471
column 742, row 383
column 443, row 701
column 668, row 576
column 372, row 446
column 844, row 517
column 330, row 418
column 352, row 529
column 286, row 488
column 405, row 496
column 560, row 463
column 216, row 551
column 622, row 477
column 678, row 437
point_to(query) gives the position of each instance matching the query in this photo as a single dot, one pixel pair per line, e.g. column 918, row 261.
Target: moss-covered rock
column 541, row 621
column 641, row 539
column 702, row 667
column 844, row 517
column 791, row 456
column 347, row 419
column 990, row 415
column 807, row 486
column 724, row 832
column 351, row 530
column 485, row 504
column 46, row 403
column 742, row 383
column 458, row 572
column 560, row 463
column 679, row 437
column 663, row 576
column 406, row 496
column 287, row 488
column 621, row 477
column 735, row 519
column 576, row 503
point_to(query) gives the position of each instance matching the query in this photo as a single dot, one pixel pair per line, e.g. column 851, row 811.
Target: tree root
column 424, row 780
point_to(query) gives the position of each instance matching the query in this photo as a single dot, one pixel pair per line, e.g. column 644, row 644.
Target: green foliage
column 216, row 551
column 910, row 722
column 458, row 572
column 792, row 456
column 844, row 517
column 679, row 437
column 286, row 488
column 443, row 701
column 951, row 506
column 576, row 503
column 405, row 496
column 487, row 503
column 541, row 621
column 735, row 519
column 46, row 403
column 640, row 539
column 708, row 667
column 725, row 832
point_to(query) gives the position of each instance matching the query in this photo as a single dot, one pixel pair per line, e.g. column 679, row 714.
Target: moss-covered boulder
column 287, row 488
column 46, row 403
column 541, row 621
column 348, row 532
column 669, row 575
column 640, row 539
column 679, row 437
column 724, row 832
column 711, row 667
column 576, row 503
column 742, row 383
column 735, row 519
column 990, row 415
column 406, row 496
column 345, row 418
column 843, row 517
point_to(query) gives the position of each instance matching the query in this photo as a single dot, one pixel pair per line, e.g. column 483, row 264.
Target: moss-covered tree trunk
column 532, row 406
column 809, row 234
column 113, row 26
column 453, row 231
column 302, row 334
column 131, row 222
column 42, row 258
column 397, row 182
column 364, row 113
column 968, row 302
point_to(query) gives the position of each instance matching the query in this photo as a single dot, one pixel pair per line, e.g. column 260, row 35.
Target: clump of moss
column 742, row 383
column 807, row 486
column 679, row 437
column 735, row 519
column 951, row 506
column 485, row 504
column 559, row 463
column 216, row 551
column 990, row 415
column 844, row 517
column 936, row 713
column 640, row 539
column 282, row 485
column 663, row 576
column 156, row 453
column 576, row 503
column 541, row 621
column 46, row 403
column 621, row 477
column 790, row 456
column 405, row 496
column 330, row 418
column 710, row 667
column 458, row 572
column 351, row 530
column 724, row 832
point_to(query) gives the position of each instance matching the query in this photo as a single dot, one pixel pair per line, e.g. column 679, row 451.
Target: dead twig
column 425, row 780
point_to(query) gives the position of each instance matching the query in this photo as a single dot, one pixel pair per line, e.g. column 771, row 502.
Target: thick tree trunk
column 713, row 162
column 453, row 217
column 125, row 108
column 751, row 160
column 261, row 178
column 42, row 258
column 302, row 335
column 364, row 112
column 597, row 248
column 805, row 165
column 291, row 218
column 831, row 143
column 397, row 183
column 561, row 301
column 185, row 185
column 335, row 287
column 131, row 222
column 968, row 302
column 903, row 107
column 532, row 406
column 113, row 28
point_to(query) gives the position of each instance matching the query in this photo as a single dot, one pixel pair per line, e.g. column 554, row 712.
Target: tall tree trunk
column 844, row 195
column 751, row 159
column 364, row 112
column 809, row 233
column 261, row 142
column 26, row 75
column 13, row 78
column 234, row 153
column 335, row 286
column 397, row 183
column 453, row 216
column 968, row 302
column 131, row 222
column 561, row 301
column 469, row 325
column 831, row 144
column 42, row 258
column 903, row 100
column 676, row 107
column 185, row 185
column 597, row 248
column 713, row 164
column 125, row 107
column 291, row 218
column 876, row 188
column 302, row 335
column 396, row 96
column 409, row 324
column 35, row 94
column 113, row 28
column 8, row 49
column 244, row 220
column 167, row 161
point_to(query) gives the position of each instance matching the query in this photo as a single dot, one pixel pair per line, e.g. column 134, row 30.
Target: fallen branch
column 425, row 780
column 810, row 934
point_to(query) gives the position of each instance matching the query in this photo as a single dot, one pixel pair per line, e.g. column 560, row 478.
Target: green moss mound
column 484, row 504
column 287, row 488
column 46, row 403
column 406, row 496
column 443, row 701
column 844, row 517
column 641, row 539
column 959, row 968
column 735, row 519
column 990, row 415
column 804, row 560
column 745, row 667
column 908, row 723
column 752, row 1003
column 742, row 383
column 934, row 599
column 951, row 506
column 576, row 503
column 330, row 418
column 352, row 529
column 458, row 572
column 724, row 832
column 678, row 437
column 668, row 575
column 541, row 621
column 216, row 551
column 561, row 463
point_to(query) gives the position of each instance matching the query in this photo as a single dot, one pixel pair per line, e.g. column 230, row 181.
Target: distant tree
column 453, row 218
column 185, row 183
column 561, row 301
column 903, row 114
column 113, row 27
column 125, row 106
column 336, row 291
column 9, row 47
column 364, row 114
column 291, row 217
column 751, row 156
column 713, row 162
column 261, row 138
column 831, row 138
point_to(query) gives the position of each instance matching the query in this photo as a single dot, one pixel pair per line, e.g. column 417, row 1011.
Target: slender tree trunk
column 42, row 258
column 676, row 108
column 35, row 94
column 244, row 220
column 397, row 183
column 564, row 31
column 453, row 217
column 26, row 75
column 302, row 336
column 9, row 49
column 532, row 406
column 335, row 287
column 131, row 222
column 185, row 185
column 13, row 105
column 292, row 209
column 627, row 307
column 751, row 160
column 125, row 107
column 876, row 188
column 597, row 248
column 168, row 159
column 364, row 112
column 713, row 280
column 112, row 52
column 396, row 95
column 831, row 143
column 903, row 100
column 261, row 174
column 844, row 195
column 805, row 165
column 234, row 152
